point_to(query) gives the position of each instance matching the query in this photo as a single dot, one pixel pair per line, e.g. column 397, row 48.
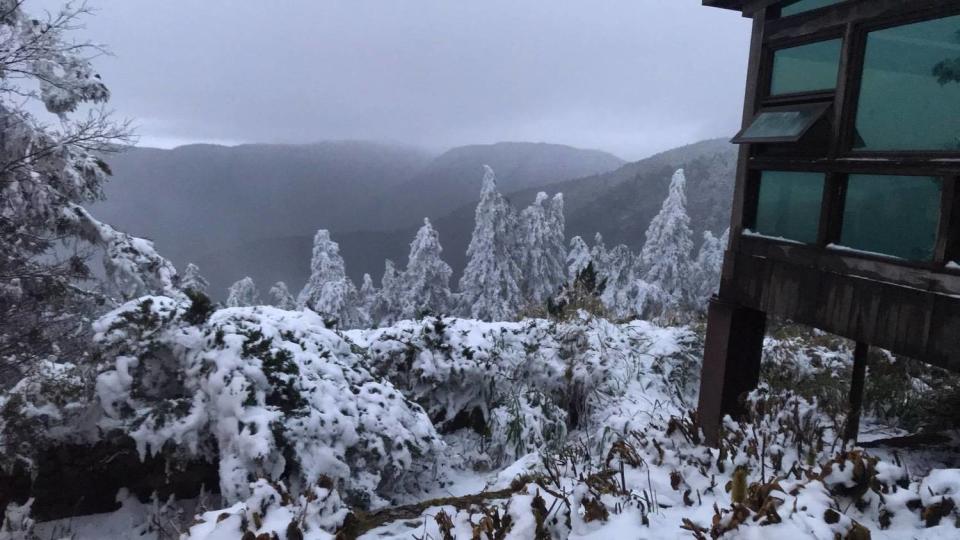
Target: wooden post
column 731, row 363
column 860, row 353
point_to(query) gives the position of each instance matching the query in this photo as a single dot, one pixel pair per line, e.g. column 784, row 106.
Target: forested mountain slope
column 618, row 204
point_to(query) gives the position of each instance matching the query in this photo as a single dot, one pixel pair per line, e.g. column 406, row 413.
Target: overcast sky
column 629, row 76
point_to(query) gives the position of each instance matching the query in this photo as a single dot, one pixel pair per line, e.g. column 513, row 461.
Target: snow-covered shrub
column 468, row 373
column 271, row 511
column 265, row 393
column 527, row 422
column 583, row 294
column 899, row 391
column 17, row 523
column 49, row 406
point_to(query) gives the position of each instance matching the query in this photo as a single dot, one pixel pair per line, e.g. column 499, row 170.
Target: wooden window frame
column 852, row 21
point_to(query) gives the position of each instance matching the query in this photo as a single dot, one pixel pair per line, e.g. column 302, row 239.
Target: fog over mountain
column 198, row 202
column 619, row 204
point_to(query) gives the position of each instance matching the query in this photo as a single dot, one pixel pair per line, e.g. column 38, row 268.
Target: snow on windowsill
column 838, row 247
column 748, row 232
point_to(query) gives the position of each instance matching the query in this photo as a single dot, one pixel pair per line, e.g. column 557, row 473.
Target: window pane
column 910, row 95
column 789, row 205
column 800, row 6
column 806, row 68
column 782, row 124
column 892, row 215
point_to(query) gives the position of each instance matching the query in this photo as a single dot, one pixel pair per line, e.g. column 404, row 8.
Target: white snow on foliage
column 490, row 288
column 308, row 425
column 259, row 386
column 329, row 291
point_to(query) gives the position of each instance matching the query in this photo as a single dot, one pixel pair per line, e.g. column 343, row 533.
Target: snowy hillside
column 447, row 428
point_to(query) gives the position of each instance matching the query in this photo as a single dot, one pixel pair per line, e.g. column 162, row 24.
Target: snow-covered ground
column 576, row 429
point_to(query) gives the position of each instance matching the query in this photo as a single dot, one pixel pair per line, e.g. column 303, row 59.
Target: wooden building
column 846, row 214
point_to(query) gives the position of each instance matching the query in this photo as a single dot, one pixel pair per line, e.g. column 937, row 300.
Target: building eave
column 747, row 7
column 725, row 4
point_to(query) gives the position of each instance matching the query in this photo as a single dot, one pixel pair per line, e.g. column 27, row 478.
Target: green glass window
column 892, row 215
column 806, row 68
column 910, row 94
column 783, row 124
column 801, row 6
column 788, row 205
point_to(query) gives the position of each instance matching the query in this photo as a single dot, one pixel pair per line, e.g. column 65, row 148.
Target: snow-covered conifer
column 281, row 296
column 192, row 280
column 599, row 254
column 386, row 305
column 577, row 258
column 368, row 297
column 490, row 286
column 52, row 161
column 665, row 258
column 329, row 291
column 707, row 268
column 542, row 253
column 426, row 281
column 243, row 293
column 618, row 275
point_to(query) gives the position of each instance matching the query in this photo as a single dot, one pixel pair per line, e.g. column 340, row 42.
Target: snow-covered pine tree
column 707, row 268
column 329, row 292
column 542, row 253
column 599, row 254
column 577, row 258
column 386, row 305
column 47, row 290
column 281, row 296
column 619, row 277
column 665, row 258
column 243, row 293
column 191, row 280
column 490, row 286
column 368, row 297
column 426, row 281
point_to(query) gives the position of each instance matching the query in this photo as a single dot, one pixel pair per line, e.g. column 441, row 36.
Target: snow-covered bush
column 468, row 373
column 49, row 406
column 271, row 511
column 528, row 421
column 264, row 393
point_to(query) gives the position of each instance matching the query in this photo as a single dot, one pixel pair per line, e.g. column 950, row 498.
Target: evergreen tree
column 329, row 291
column 368, row 297
column 599, row 254
column 426, row 282
column 620, row 279
column 54, row 137
column 243, row 293
column 490, row 286
column 281, row 296
column 578, row 258
column 386, row 305
column 707, row 268
column 191, row 280
column 665, row 258
column 542, row 253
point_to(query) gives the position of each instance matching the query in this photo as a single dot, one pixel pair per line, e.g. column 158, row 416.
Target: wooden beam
column 852, row 428
column 731, row 363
